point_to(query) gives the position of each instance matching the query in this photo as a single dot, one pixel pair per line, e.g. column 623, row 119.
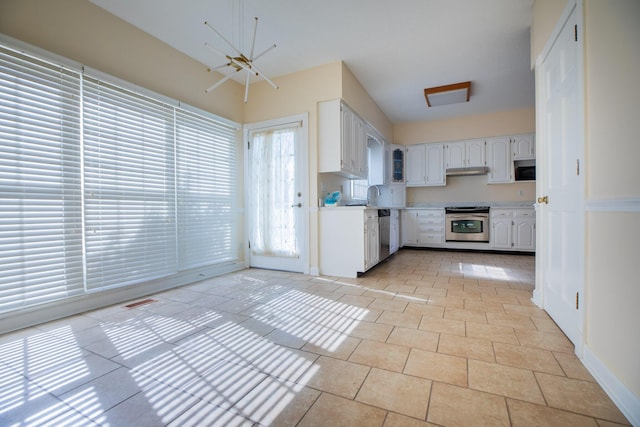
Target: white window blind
column 40, row 182
column 129, row 186
column 206, row 175
column 101, row 186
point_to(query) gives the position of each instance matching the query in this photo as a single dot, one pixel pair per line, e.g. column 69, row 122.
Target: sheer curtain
column 272, row 156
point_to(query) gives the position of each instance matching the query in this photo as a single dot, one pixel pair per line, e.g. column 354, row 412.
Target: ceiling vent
column 448, row 94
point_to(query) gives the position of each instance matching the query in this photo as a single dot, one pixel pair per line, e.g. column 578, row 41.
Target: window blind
column 129, row 186
column 101, row 186
column 40, row 182
column 206, row 168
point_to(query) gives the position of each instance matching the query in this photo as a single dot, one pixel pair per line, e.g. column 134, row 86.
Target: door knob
column 297, row 205
column 544, row 200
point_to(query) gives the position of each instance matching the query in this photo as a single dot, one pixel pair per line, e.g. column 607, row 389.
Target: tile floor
column 426, row 338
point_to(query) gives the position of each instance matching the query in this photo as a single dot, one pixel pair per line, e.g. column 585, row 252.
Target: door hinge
column 248, row 145
column 575, row 32
column 249, row 244
column 577, row 300
column 578, row 167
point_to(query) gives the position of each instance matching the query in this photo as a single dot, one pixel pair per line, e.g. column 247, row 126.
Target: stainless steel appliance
column 384, row 221
column 467, row 224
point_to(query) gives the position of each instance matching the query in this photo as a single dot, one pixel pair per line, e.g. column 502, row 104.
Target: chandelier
column 238, row 61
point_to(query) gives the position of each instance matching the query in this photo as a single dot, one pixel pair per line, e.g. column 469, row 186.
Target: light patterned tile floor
column 425, row 338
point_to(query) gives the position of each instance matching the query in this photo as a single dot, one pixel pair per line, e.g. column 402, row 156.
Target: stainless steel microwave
column 525, row 170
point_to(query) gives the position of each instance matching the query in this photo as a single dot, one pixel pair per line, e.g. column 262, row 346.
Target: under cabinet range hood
column 475, row 170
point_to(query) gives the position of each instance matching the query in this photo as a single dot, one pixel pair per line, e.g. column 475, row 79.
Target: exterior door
column 562, row 212
column 275, row 198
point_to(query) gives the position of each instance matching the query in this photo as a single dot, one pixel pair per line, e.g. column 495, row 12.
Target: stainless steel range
column 467, row 224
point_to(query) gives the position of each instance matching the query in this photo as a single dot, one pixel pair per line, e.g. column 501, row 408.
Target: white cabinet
column 394, row 233
column 475, row 152
column 423, row 227
column 462, row 154
column 499, row 160
column 523, row 147
column 455, row 155
column 524, row 229
column 501, row 224
column 416, row 167
column 394, row 164
column 342, row 140
column 409, row 228
column 513, row 229
column 435, row 173
column 371, row 239
column 349, row 241
column 425, row 165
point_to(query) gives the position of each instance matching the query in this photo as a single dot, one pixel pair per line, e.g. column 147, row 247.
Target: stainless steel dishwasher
column 384, row 221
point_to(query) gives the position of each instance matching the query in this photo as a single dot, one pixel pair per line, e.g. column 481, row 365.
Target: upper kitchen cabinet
column 524, row 147
column 462, row 154
column 425, row 165
column 499, row 160
column 342, row 140
column 394, row 164
column 377, row 158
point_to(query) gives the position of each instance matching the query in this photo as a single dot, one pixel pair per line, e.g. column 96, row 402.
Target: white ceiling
column 394, row 48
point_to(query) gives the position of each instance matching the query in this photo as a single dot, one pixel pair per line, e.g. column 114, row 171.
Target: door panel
column 276, row 202
column 562, row 250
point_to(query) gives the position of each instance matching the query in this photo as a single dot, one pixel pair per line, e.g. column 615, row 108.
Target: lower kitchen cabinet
column 394, row 232
column 513, row 229
column 349, row 241
column 423, row 227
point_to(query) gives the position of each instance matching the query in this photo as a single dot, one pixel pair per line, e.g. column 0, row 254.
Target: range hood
column 476, row 170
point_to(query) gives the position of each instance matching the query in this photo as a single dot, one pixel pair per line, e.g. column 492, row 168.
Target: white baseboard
column 537, row 298
column 625, row 399
column 314, row 271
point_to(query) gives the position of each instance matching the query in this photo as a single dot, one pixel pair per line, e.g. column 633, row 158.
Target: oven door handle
column 467, row 216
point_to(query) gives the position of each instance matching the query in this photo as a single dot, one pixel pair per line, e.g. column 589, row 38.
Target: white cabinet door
column 394, row 234
column 408, row 227
column 371, row 243
column 499, row 160
column 435, row 171
column 500, row 235
column 342, row 140
column 455, row 154
column 524, row 147
column 359, row 148
column 475, row 153
column 415, row 165
column 347, row 139
column 524, row 229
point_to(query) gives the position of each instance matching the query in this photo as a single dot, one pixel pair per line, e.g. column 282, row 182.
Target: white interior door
column 562, row 247
column 275, row 199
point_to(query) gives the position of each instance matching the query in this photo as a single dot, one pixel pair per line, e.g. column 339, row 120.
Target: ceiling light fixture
column 238, row 61
column 448, row 94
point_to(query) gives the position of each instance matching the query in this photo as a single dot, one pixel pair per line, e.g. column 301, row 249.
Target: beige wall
column 612, row 59
column 469, row 188
column 357, row 97
column 612, row 56
column 545, row 16
column 482, row 125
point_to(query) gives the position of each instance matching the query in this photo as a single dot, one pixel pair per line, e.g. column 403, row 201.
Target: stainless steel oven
column 467, row 224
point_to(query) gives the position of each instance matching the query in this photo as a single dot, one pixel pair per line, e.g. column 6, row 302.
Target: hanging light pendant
column 238, row 61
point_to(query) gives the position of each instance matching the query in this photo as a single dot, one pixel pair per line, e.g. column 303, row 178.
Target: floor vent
column 139, row 303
